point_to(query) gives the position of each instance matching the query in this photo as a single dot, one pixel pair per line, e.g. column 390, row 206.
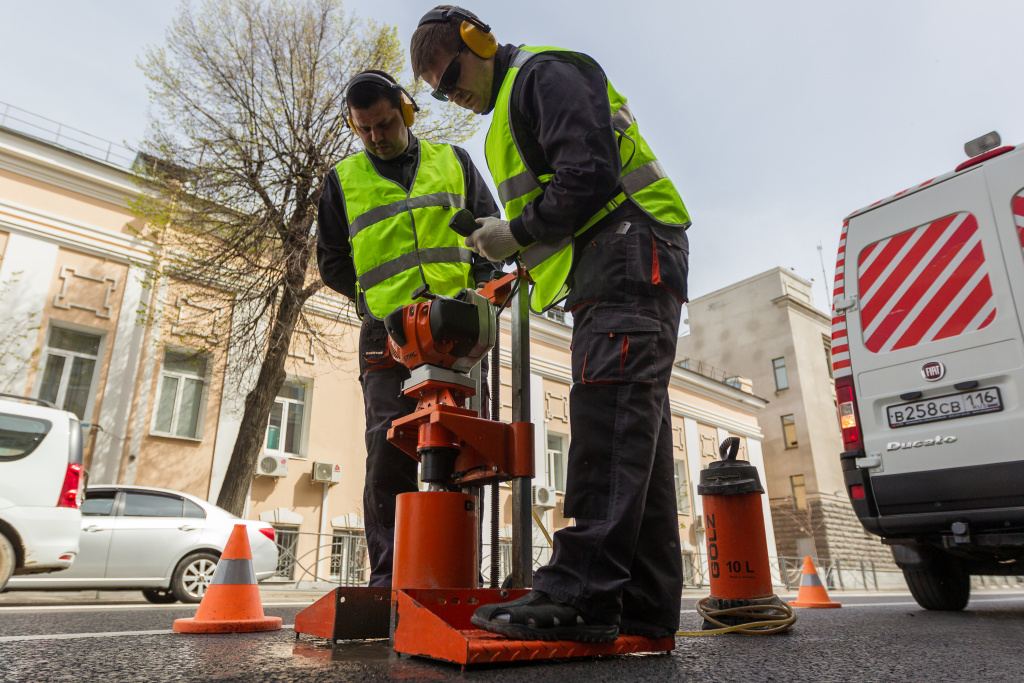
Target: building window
column 68, row 368
column 682, row 488
column 796, row 482
column 556, row 460
column 828, row 355
column 286, row 427
column 690, row 577
column 179, row 409
column 781, row 378
column 789, row 431
column 287, row 539
column 348, row 557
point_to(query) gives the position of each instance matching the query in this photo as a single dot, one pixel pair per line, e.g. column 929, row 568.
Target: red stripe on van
column 942, row 300
column 888, row 250
column 911, row 260
column 1018, row 215
column 968, row 311
column 952, row 240
column 936, row 287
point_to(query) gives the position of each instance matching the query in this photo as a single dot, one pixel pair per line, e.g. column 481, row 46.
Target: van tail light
column 857, row 492
column 70, row 492
column 268, row 532
column 849, row 417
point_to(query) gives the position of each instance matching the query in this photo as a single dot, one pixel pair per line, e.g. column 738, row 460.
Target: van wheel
column 192, row 576
column 7, row 560
column 942, row 585
column 158, row 596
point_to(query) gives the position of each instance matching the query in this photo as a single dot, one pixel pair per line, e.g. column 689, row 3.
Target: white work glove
column 493, row 239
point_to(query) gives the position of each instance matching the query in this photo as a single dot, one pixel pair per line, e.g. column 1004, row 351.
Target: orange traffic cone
column 232, row 600
column 812, row 593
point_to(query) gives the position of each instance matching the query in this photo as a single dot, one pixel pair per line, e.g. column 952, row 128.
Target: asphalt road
column 872, row 637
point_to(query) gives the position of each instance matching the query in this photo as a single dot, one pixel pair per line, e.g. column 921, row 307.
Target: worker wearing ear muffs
column 599, row 226
column 383, row 233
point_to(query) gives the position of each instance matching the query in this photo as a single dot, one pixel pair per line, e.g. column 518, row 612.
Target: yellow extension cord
column 766, row 619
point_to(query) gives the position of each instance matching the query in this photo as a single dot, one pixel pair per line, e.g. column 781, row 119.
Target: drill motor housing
column 447, row 332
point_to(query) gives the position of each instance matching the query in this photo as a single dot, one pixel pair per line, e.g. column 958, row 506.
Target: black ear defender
column 408, row 104
column 475, row 34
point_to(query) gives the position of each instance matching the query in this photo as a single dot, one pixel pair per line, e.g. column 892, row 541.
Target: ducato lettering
column 903, row 445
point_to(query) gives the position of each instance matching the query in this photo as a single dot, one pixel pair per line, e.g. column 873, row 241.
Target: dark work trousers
column 389, row 471
column 622, row 557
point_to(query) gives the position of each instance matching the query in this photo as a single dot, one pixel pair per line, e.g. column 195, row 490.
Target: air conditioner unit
column 698, row 522
column 272, row 466
column 543, row 497
column 326, row 473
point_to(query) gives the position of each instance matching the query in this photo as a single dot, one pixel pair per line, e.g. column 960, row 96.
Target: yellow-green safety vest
column 400, row 239
column 642, row 180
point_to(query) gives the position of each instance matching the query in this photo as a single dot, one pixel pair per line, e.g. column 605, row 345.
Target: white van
column 41, row 487
column 928, row 357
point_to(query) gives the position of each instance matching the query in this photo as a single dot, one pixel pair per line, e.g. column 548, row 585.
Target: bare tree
column 15, row 332
column 246, row 120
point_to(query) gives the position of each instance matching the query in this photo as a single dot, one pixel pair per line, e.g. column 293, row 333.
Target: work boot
column 538, row 616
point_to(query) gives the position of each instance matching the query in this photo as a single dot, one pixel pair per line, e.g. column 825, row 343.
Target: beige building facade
column 767, row 328
column 160, row 414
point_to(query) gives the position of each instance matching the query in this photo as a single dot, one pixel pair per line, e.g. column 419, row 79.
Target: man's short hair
column 430, row 40
column 366, row 94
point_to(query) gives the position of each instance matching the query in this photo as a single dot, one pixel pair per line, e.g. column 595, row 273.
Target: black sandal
column 538, row 616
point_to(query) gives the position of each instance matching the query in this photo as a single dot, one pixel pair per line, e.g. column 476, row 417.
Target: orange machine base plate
column 435, row 624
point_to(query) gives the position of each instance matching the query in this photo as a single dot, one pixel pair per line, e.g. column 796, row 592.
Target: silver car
column 165, row 542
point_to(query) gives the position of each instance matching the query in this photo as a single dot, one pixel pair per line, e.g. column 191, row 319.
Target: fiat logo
column 933, row 371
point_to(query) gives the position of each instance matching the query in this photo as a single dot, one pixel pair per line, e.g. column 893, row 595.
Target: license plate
column 948, row 407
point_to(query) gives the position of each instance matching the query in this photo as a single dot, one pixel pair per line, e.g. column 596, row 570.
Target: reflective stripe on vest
column 400, row 239
column 642, row 180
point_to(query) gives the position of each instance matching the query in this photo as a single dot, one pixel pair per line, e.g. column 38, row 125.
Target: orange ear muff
column 408, row 109
column 483, row 44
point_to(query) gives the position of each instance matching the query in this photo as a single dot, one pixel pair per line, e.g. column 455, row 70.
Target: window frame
column 69, row 359
column 785, row 373
column 176, row 408
column 684, row 487
column 349, row 553
column 799, row 499
column 792, row 423
column 303, row 441
column 553, row 456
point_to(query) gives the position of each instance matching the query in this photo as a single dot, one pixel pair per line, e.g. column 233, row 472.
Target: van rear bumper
column 987, row 497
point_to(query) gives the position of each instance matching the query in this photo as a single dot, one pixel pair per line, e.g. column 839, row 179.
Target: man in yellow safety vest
column 383, row 233
column 599, row 225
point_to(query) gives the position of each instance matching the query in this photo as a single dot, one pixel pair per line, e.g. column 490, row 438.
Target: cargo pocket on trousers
column 670, row 256
column 373, row 348
column 622, row 348
column 609, row 267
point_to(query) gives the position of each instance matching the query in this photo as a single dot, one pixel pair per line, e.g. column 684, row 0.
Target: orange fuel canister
column 436, row 540
column 737, row 546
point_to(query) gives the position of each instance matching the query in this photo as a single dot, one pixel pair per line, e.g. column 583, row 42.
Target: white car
column 40, row 486
column 166, row 543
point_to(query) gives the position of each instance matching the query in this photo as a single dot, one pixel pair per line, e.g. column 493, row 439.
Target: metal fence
column 338, row 557
column 43, row 128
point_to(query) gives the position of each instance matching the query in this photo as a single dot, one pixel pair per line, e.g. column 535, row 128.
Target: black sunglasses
column 449, row 77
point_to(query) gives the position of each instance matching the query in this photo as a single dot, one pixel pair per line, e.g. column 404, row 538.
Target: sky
column 775, row 120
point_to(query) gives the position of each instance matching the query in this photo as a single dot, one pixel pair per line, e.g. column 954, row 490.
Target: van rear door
column 936, row 350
